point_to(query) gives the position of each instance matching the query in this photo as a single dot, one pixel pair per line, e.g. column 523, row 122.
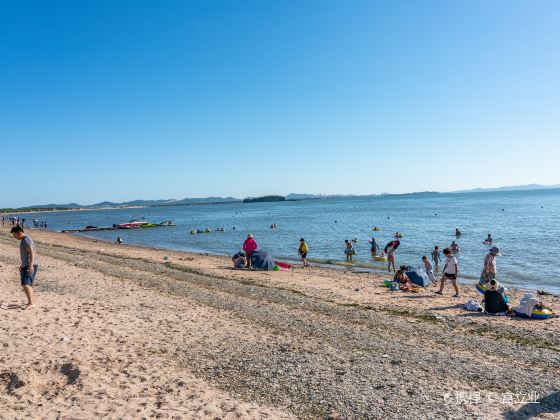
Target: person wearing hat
column 249, row 246
column 489, row 270
column 494, row 301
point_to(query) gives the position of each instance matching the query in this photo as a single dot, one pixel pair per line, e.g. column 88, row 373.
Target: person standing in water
column 302, row 251
column 374, row 247
column 436, row 256
column 29, row 266
column 454, row 247
column 390, row 258
column 349, row 251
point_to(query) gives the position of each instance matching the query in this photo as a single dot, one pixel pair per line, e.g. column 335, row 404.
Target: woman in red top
column 249, row 246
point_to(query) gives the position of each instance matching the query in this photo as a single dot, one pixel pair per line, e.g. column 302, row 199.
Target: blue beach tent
column 261, row 261
column 418, row 277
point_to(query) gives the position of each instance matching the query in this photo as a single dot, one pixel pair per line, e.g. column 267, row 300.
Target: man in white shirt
column 450, row 272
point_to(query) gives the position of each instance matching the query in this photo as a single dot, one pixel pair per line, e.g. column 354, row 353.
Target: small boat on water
column 133, row 224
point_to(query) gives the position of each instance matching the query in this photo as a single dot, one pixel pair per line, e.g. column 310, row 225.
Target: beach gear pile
column 473, row 306
column 531, row 307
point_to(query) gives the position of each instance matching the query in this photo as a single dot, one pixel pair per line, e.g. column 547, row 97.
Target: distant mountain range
column 511, row 188
column 292, row 196
column 137, row 203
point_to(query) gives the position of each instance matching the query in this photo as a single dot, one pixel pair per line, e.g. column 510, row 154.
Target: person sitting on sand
column 450, row 272
column 402, row 278
column 302, row 251
column 119, row 240
column 238, row 260
column 29, row 266
column 429, row 269
column 249, row 246
column 494, row 302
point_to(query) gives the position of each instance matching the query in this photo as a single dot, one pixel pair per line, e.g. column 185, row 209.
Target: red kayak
column 283, row 265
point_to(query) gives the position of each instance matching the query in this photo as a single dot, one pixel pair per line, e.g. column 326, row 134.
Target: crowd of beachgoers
column 405, row 278
column 114, row 321
column 495, row 301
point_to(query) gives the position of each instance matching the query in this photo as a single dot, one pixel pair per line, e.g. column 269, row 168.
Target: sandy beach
column 130, row 332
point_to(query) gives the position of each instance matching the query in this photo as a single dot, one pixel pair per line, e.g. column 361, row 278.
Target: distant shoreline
column 298, row 197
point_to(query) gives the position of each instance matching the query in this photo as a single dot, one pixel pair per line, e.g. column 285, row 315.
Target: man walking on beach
column 450, row 271
column 28, row 267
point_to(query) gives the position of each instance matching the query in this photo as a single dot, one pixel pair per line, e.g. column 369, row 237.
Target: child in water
column 349, row 251
column 391, row 258
column 436, row 256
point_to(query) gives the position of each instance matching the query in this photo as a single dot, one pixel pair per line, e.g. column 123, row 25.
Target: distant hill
column 134, row 203
column 53, row 206
column 511, row 188
column 265, row 199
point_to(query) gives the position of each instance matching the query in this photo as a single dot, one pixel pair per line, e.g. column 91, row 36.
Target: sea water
column 524, row 225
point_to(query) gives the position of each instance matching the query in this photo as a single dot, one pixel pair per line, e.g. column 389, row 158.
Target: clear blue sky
column 121, row 100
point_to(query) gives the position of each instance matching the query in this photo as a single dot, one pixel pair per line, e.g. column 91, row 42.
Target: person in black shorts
column 302, row 251
column 450, row 272
column 28, row 267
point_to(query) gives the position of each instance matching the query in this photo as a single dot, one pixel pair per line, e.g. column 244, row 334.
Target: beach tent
column 261, row 261
column 418, row 277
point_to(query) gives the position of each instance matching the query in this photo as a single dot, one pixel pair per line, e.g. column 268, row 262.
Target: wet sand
column 124, row 331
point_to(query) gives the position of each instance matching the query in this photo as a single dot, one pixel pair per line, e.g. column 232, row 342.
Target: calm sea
column 524, row 225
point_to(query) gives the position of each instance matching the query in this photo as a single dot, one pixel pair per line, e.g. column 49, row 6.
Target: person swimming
column 454, row 247
column 489, row 239
column 458, row 232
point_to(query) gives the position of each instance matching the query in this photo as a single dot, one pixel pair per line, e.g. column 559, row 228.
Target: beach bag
column 473, row 306
column 394, row 286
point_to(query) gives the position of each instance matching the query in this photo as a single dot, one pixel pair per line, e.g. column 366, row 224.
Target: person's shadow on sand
column 547, row 405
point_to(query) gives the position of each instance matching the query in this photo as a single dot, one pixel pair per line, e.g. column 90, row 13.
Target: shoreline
column 124, row 330
column 337, row 265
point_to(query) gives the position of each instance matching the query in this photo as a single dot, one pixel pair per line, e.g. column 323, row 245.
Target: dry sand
column 123, row 331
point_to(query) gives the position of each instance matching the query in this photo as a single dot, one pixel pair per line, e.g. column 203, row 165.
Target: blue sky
column 121, row 100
